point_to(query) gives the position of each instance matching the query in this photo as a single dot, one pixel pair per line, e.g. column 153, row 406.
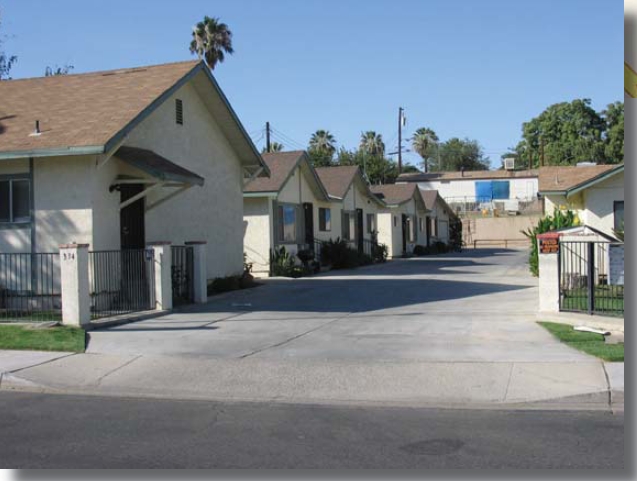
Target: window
column 179, row 111
column 433, row 226
column 420, row 224
column 618, row 211
column 15, row 205
column 371, row 223
column 325, row 219
column 395, row 221
column 287, row 223
column 349, row 226
column 411, row 229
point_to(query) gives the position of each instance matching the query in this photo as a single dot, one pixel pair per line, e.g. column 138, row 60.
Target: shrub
column 559, row 220
column 282, row 263
column 379, row 253
column 455, row 234
column 420, row 250
column 338, row 254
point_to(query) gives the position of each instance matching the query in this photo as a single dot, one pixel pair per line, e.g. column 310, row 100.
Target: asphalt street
column 56, row 431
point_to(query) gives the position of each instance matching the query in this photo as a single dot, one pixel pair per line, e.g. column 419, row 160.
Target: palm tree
column 372, row 144
column 274, row 147
column 324, row 142
column 211, row 40
column 422, row 141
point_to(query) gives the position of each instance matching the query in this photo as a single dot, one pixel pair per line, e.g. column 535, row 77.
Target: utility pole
column 401, row 120
column 268, row 147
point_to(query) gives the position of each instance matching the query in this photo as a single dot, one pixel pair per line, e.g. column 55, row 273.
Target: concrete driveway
column 477, row 306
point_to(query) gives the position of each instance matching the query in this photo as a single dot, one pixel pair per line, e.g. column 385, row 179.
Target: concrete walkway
column 449, row 330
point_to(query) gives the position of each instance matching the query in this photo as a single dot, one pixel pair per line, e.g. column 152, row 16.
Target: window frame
column 23, row 221
column 280, row 227
column 371, row 226
column 325, row 223
column 348, row 219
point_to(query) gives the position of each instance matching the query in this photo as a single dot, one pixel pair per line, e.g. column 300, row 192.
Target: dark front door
column 308, row 215
column 131, row 218
column 428, row 227
column 404, row 225
column 359, row 229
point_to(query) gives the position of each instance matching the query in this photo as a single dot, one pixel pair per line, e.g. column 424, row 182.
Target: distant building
column 475, row 190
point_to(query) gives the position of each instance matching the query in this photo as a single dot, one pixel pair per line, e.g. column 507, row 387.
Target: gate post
column 591, row 277
column 200, row 270
column 549, row 281
column 76, row 301
column 162, row 257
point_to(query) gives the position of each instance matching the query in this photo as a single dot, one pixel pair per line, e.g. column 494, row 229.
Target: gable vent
column 179, row 111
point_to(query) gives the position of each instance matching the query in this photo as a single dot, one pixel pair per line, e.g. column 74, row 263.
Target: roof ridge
column 102, row 72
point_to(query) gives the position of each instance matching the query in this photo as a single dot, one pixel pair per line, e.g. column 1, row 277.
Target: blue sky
column 474, row 69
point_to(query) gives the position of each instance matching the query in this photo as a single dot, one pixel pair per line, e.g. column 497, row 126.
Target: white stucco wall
column 212, row 212
column 599, row 201
column 257, row 217
column 455, row 190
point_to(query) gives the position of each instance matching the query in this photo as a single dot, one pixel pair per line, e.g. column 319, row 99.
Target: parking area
column 476, row 306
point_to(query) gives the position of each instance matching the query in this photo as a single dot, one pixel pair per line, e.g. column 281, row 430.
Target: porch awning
column 157, row 166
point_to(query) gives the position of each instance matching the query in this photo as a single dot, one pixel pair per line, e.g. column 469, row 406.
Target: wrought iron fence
column 121, row 282
column 182, row 274
column 30, row 287
column 467, row 206
column 369, row 247
column 589, row 281
column 318, row 250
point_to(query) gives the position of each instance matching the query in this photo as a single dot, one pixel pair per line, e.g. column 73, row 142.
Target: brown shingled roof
column 565, row 178
column 467, row 175
column 82, row 110
column 337, row 179
column 429, row 196
column 281, row 165
column 395, row 193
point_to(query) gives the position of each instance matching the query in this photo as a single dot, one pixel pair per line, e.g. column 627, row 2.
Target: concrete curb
column 612, row 324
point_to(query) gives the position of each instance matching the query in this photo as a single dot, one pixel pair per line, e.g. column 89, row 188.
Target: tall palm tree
column 372, row 144
column 211, row 40
column 422, row 141
column 274, row 147
column 324, row 142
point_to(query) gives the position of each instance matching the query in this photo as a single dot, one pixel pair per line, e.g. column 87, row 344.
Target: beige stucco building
column 124, row 158
column 299, row 206
column 402, row 224
column 595, row 193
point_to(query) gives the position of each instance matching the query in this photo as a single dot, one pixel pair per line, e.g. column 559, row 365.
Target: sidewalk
column 565, row 385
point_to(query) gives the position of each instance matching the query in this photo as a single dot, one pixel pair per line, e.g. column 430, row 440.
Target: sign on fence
column 549, row 246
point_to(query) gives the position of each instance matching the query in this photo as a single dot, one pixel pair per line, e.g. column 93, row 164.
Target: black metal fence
column 590, row 281
column 121, row 282
column 318, row 250
column 182, row 274
column 30, row 287
column 369, row 247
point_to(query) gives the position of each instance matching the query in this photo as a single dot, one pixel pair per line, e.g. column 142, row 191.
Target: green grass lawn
column 52, row 339
column 587, row 342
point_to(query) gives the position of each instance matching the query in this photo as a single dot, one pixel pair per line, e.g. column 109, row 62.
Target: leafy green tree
column 614, row 136
column 559, row 220
column 6, row 60
column 274, row 147
column 377, row 168
column 566, row 132
column 211, row 40
column 457, row 154
column 422, row 142
column 321, row 148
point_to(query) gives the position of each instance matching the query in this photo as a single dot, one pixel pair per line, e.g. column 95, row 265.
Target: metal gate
column 121, row 281
column 182, row 274
column 587, row 281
